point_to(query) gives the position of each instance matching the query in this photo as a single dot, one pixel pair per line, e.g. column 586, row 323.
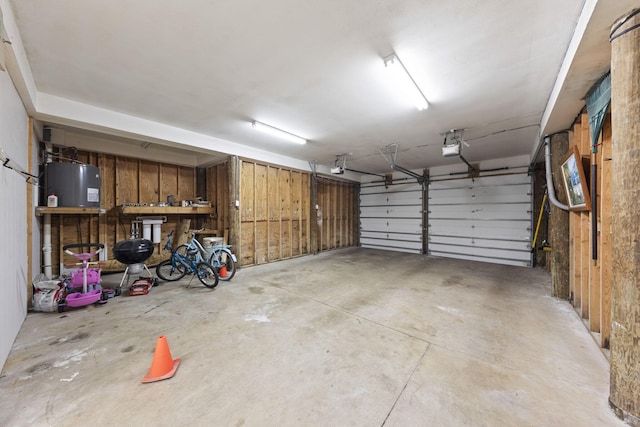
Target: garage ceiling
column 192, row 75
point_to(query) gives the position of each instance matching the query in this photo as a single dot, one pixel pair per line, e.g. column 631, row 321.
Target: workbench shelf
column 41, row 210
column 167, row 210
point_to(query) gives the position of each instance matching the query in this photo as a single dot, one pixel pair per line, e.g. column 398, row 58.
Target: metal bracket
column 390, row 152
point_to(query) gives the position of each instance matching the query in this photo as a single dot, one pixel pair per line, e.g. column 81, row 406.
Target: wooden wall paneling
column 605, row 235
column 328, row 236
column 275, row 219
column 162, row 196
column 595, row 265
column 103, row 222
column 233, row 205
column 334, row 213
column 296, row 220
column 148, row 182
column 339, row 214
column 247, row 219
column 355, row 215
column 222, row 196
column 575, row 138
column 305, row 214
column 126, row 180
column 324, row 214
column 284, row 184
column 169, row 182
column 186, row 182
column 585, row 229
column 346, row 209
column 261, row 188
column 344, row 201
column 331, row 216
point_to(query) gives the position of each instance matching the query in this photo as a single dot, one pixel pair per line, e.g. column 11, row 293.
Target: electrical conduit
column 547, row 164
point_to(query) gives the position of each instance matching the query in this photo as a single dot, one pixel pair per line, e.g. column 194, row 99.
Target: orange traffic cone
column 223, row 271
column 163, row 366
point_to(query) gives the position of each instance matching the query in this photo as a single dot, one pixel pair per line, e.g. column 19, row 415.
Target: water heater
column 74, row 184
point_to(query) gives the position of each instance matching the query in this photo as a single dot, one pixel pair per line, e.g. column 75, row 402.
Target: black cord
column 621, row 23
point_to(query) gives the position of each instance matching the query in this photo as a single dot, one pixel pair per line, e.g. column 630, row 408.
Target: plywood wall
column 134, row 181
column 274, row 213
column 217, row 188
column 278, row 217
column 590, row 279
column 337, row 214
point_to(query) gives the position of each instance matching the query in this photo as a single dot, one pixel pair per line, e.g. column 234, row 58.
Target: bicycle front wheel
column 166, row 271
column 207, row 274
column 221, row 259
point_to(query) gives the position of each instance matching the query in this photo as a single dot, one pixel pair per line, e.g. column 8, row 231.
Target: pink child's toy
column 85, row 275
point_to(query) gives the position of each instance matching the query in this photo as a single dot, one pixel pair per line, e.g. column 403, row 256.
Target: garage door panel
column 480, row 258
column 522, row 245
column 480, row 211
column 483, row 181
column 404, row 225
column 410, row 237
column 392, row 244
column 485, row 252
column 509, row 194
column 515, row 230
column 391, row 217
column 407, row 197
column 487, row 219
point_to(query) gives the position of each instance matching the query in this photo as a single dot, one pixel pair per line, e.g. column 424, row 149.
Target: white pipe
column 46, row 246
column 46, row 238
column 547, row 164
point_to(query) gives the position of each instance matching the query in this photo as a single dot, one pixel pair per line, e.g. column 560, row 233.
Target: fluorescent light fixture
column 404, row 83
column 278, row 132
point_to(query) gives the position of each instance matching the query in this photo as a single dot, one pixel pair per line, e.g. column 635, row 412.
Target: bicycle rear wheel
column 166, row 271
column 207, row 274
column 219, row 259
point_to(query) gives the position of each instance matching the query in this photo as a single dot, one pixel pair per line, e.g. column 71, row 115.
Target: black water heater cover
column 75, row 185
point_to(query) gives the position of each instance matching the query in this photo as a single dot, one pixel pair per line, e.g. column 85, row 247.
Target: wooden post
column 559, row 222
column 313, row 214
column 233, row 201
column 624, row 395
column 606, row 237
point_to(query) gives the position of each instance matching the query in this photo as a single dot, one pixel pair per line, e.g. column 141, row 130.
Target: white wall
column 14, row 277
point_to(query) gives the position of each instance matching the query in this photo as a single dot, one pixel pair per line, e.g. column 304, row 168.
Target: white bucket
column 208, row 242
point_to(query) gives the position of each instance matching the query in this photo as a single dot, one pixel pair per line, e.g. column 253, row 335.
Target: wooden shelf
column 41, row 210
column 166, row 210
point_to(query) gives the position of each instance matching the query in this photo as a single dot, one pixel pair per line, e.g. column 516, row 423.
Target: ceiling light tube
column 278, row 132
column 404, row 83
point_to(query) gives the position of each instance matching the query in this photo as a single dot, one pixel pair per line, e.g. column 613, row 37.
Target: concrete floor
column 351, row 337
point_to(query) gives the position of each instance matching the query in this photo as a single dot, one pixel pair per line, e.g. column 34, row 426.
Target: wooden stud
column 605, row 234
column 585, row 229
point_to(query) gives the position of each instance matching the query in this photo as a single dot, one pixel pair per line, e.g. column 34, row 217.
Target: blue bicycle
column 176, row 267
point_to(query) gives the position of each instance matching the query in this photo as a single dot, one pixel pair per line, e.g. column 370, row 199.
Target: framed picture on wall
column 575, row 182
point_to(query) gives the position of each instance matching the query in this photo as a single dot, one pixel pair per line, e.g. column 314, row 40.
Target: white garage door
column 487, row 219
column 391, row 216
